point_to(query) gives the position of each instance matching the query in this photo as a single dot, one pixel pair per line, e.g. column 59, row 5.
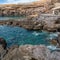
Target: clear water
column 21, row 36
column 7, row 18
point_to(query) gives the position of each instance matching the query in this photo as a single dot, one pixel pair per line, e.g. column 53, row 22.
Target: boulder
column 30, row 52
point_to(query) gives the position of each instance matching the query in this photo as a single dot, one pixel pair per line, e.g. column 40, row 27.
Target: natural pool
column 11, row 17
column 20, row 36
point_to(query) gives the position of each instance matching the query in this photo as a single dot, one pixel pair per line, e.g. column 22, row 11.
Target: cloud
column 19, row 1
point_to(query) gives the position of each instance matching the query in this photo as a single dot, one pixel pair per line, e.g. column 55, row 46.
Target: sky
column 15, row 1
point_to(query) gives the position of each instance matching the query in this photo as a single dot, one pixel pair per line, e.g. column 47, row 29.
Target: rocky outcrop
column 26, row 9
column 30, row 52
column 37, row 23
column 51, row 24
column 30, row 23
column 21, row 10
column 3, row 52
column 31, row 13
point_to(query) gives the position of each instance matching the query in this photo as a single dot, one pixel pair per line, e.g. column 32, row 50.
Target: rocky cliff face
column 51, row 24
column 33, row 19
column 27, row 9
column 21, row 11
column 24, row 10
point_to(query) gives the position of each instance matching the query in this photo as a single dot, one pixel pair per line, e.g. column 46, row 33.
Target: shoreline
column 30, row 23
column 30, row 52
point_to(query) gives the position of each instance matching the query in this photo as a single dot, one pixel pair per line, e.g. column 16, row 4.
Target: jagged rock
column 25, row 10
column 30, row 52
column 55, row 56
column 3, row 52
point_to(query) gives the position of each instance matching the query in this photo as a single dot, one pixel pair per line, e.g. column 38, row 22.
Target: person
column 3, row 43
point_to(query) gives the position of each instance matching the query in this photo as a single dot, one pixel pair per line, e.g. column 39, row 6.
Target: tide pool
column 21, row 36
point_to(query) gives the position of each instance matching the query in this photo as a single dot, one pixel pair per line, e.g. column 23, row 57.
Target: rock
column 3, row 43
column 41, row 53
column 35, row 23
column 21, row 10
column 55, row 56
column 30, row 52
column 38, row 27
column 33, row 17
column 54, row 42
column 3, row 52
column 58, row 39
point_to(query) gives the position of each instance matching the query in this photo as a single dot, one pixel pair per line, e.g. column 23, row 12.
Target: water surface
column 10, row 17
column 21, row 36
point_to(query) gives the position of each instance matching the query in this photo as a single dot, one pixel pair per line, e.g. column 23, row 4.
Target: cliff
column 25, row 9
column 33, row 17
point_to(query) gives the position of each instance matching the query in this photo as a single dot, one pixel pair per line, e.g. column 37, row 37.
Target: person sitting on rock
column 3, row 43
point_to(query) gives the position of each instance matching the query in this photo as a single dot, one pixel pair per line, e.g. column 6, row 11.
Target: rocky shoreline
column 35, row 23
column 29, row 52
column 36, row 16
column 24, row 9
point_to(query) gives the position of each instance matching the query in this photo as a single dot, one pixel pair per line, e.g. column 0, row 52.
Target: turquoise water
column 21, row 36
column 7, row 18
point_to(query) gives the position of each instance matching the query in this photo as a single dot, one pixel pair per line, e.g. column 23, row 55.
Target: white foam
column 1, row 27
column 54, row 48
column 54, row 34
column 35, row 33
column 51, row 47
